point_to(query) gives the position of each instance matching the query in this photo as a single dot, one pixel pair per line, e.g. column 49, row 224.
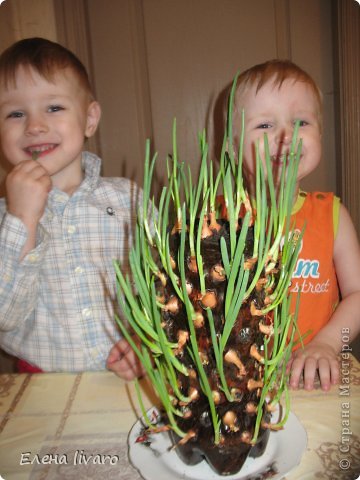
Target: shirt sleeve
column 18, row 278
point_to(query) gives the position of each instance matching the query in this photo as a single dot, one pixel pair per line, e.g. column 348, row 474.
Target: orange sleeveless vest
column 314, row 272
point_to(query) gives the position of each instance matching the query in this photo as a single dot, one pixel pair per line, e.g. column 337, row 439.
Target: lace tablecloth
column 75, row 426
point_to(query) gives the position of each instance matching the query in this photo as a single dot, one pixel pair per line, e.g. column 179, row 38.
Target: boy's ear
column 93, row 118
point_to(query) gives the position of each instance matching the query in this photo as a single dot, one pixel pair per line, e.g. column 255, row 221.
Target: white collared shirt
column 57, row 304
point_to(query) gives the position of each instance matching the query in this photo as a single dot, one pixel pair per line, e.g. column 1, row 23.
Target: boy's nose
column 284, row 136
column 36, row 125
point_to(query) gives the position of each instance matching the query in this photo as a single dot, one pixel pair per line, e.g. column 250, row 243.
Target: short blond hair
column 277, row 71
column 47, row 58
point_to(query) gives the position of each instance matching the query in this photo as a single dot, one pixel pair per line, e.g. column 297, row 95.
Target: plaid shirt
column 57, row 304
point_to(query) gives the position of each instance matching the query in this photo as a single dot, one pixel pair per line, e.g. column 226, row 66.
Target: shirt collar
column 91, row 165
column 299, row 202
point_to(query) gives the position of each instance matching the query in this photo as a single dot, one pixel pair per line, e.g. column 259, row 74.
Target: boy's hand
column 27, row 189
column 123, row 361
column 316, row 356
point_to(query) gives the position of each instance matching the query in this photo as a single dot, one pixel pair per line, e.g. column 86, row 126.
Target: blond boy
column 61, row 223
column 274, row 95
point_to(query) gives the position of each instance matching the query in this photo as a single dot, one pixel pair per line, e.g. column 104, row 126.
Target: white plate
column 155, row 461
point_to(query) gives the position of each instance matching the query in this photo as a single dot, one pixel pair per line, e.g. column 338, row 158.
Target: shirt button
column 32, row 257
column 60, row 198
column 7, row 277
column 71, row 229
column 79, row 270
column 94, row 352
column 86, row 313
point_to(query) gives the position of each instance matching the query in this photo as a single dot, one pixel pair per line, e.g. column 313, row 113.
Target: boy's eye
column 303, row 123
column 16, row 114
column 264, row 126
column 55, row 108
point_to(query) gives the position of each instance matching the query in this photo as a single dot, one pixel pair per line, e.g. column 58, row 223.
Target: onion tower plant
column 208, row 300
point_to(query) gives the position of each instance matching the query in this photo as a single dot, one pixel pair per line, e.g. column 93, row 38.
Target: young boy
column 274, row 95
column 61, row 224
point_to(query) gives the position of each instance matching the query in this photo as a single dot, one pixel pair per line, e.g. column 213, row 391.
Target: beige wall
column 154, row 60
column 186, row 52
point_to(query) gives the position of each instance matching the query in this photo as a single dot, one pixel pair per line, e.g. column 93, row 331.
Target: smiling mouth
column 279, row 160
column 37, row 151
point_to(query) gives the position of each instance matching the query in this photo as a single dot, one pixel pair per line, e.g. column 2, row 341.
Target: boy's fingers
column 296, row 371
column 118, row 351
column 127, row 367
column 28, row 166
column 113, row 356
column 324, row 373
column 123, row 371
column 310, row 368
column 289, row 365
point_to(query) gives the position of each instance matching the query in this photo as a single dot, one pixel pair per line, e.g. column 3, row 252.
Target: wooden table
column 69, row 417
